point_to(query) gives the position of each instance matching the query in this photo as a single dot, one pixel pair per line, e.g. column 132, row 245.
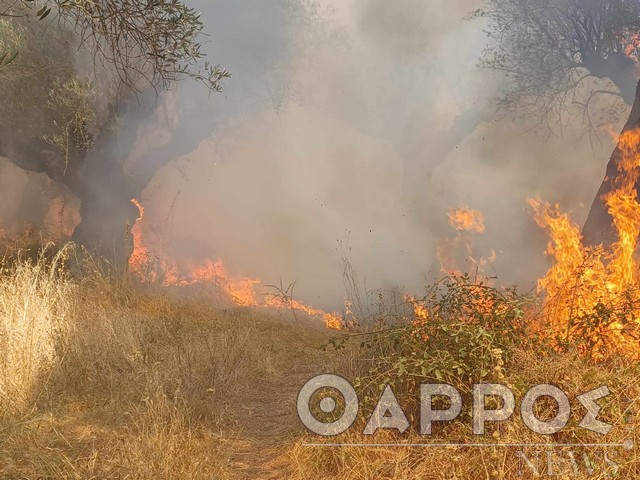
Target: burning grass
column 150, row 263
column 106, row 377
column 462, row 332
column 103, row 377
column 113, row 375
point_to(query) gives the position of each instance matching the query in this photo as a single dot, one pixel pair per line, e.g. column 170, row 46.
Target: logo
column 324, row 393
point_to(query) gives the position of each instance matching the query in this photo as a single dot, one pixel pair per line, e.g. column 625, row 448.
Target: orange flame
column 467, row 219
column 140, row 255
column 630, row 42
column 592, row 284
column 420, row 312
column 241, row 290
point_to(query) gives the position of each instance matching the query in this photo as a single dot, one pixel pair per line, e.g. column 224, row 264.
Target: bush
column 461, row 332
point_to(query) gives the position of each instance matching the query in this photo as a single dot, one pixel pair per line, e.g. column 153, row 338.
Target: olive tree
column 149, row 42
column 70, row 122
column 562, row 54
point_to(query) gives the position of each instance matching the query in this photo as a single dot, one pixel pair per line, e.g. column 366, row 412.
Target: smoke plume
column 351, row 128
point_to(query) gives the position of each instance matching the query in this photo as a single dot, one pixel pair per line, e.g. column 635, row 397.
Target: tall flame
column 592, row 285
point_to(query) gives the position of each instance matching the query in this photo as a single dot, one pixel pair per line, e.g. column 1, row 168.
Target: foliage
column 26, row 85
column 562, row 54
column 71, row 69
column 71, row 101
column 148, row 42
column 463, row 331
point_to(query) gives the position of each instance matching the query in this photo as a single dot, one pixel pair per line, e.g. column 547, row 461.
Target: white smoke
column 336, row 127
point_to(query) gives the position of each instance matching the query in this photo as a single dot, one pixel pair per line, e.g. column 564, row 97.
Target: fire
column 630, row 45
column 630, row 42
column 466, row 219
column 420, row 312
column 595, row 290
column 242, row 291
column 140, row 255
column 467, row 222
column 331, row 320
column 591, row 293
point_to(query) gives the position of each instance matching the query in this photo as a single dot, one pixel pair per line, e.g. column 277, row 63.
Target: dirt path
column 266, row 415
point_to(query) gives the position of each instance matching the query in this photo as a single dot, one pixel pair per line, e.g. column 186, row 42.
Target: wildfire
column 630, row 42
column 420, row 312
column 591, row 293
column 331, row 320
column 140, row 255
column 594, row 290
column 242, row 291
column 466, row 219
column 466, row 222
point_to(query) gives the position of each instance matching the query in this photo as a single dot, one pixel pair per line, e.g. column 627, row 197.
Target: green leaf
column 43, row 12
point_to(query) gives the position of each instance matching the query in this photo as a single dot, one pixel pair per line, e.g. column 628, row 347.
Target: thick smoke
column 350, row 128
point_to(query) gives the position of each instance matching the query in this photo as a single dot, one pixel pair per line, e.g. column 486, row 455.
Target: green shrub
column 461, row 332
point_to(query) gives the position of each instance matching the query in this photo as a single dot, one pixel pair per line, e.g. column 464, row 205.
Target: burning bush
column 592, row 296
column 462, row 331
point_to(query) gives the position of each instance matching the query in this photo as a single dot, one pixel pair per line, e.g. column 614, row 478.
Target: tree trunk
column 617, row 67
column 106, row 188
column 100, row 178
column 599, row 225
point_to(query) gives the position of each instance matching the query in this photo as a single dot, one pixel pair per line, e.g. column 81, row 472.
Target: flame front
column 591, row 293
column 240, row 290
column 591, row 290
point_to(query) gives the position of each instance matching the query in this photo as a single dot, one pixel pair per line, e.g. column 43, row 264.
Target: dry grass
column 35, row 316
column 571, row 372
column 104, row 378
column 107, row 379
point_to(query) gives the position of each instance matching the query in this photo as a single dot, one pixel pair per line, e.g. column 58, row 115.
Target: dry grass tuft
column 104, row 378
column 35, row 311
